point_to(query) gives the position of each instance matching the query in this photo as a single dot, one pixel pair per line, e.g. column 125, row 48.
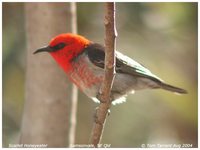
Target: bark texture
column 48, row 91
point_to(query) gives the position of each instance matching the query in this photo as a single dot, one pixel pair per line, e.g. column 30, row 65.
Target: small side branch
column 104, row 93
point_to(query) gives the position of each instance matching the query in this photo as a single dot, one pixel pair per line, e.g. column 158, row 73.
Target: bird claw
column 96, row 116
column 98, row 96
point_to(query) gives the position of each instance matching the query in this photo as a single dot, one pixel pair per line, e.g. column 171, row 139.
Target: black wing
column 124, row 64
column 96, row 54
column 127, row 65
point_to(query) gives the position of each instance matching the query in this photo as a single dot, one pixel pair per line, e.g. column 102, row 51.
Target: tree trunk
column 48, row 91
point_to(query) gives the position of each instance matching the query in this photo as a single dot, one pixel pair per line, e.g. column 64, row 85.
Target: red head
column 64, row 47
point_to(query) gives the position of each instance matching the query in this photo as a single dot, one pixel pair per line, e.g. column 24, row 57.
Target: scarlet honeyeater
column 83, row 62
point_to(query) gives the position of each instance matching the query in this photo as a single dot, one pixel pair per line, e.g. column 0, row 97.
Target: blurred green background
column 162, row 36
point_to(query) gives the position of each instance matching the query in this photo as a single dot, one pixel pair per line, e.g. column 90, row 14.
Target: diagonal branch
column 104, row 93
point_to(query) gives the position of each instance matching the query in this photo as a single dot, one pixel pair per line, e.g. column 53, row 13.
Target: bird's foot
column 99, row 97
column 97, row 121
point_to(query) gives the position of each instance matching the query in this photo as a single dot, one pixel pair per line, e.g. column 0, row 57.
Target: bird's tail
column 173, row 88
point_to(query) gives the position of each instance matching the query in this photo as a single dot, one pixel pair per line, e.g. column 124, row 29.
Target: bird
column 83, row 62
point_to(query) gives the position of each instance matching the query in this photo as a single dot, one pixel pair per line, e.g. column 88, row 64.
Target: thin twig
column 74, row 98
column 104, row 97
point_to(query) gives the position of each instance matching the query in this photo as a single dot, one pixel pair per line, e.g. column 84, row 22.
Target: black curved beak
column 43, row 49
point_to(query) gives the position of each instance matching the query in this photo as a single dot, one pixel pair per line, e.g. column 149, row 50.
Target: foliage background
column 162, row 36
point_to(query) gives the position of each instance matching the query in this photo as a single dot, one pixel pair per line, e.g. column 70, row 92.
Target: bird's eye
column 59, row 46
